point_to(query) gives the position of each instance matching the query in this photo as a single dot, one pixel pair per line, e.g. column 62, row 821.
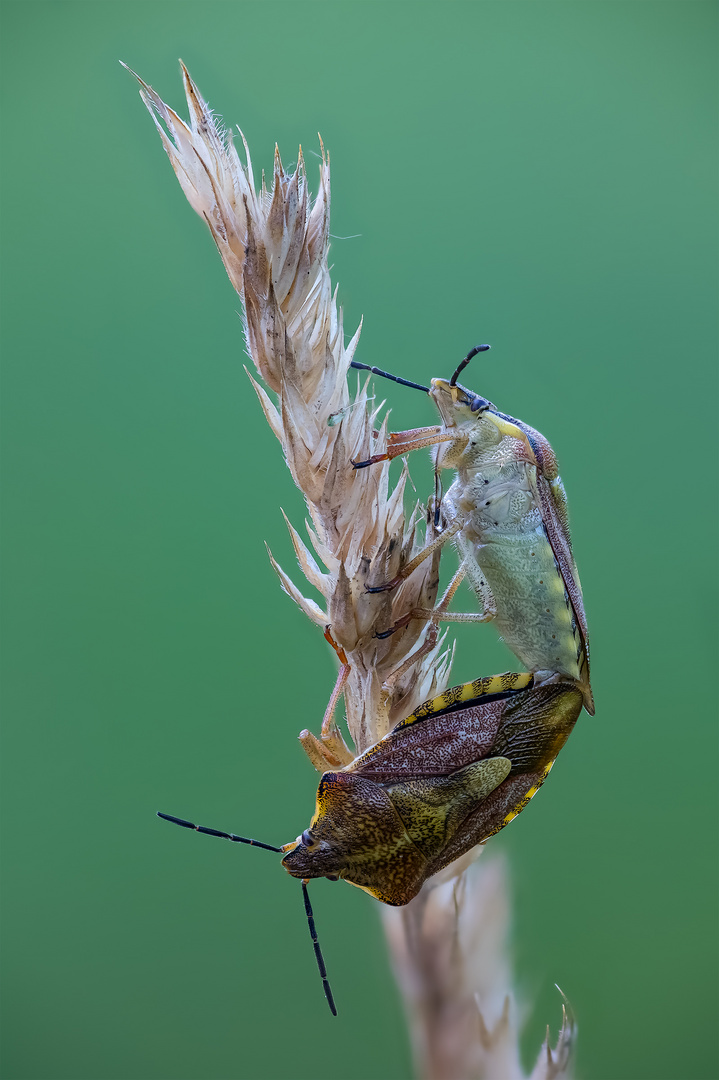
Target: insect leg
column 331, row 749
column 431, row 638
column 432, row 634
column 331, row 737
column 440, row 614
column 328, row 720
column 446, row 616
column 316, row 946
column 330, row 734
column 437, row 490
column 341, row 654
column 402, row 442
column 320, row 755
column 412, row 565
column 453, row 586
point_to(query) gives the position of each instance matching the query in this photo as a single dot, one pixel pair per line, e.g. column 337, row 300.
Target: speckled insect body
column 442, row 781
column 445, row 779
column 510, row 501
column 506, row 513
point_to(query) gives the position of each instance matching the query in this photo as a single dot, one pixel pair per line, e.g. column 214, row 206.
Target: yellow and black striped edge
column 522, row 803
column 469, row 693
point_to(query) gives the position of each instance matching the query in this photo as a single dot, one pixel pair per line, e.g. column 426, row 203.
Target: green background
column 537, row 175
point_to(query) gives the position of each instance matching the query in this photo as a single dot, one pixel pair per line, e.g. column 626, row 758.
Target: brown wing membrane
column 450, row 739
column 532, row 733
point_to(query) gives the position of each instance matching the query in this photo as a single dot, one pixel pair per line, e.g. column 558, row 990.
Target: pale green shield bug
column 506, row 513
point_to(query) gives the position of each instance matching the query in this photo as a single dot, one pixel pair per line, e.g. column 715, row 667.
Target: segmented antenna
column 468, row 357
column 318, row 952
column 215, row 832
column 386, row 375
column 308, row 907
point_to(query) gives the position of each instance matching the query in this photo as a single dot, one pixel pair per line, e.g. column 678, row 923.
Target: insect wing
column 446, row 733
column 525, row 728
column 549, row 493
column 559, row 543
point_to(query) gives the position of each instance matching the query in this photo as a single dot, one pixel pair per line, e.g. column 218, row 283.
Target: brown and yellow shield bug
column 506, row 512
column 442, row 781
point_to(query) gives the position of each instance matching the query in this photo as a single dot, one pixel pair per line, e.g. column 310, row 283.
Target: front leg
column 330, row 734
column 320, row 755
column 330, row 750
column 402, row 442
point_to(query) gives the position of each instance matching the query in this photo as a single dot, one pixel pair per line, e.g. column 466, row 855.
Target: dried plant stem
column 450, row 957
column 274, row 245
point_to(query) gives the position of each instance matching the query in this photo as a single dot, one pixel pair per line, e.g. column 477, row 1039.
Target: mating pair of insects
column 465, row 763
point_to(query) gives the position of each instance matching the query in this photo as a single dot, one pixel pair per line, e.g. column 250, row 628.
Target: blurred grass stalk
column 449, row 945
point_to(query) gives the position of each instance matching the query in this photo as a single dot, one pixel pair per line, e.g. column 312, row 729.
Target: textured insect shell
column 445, row 733
column 358, row 835
column 552, row 499
column 532, row 727
column 453, row 404
column 501, row 727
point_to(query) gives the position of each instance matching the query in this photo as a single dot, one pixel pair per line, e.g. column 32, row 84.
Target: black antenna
column 468, row 357
column 394, row 378
column 318, row 952
column 215, row 832
column 308, row 907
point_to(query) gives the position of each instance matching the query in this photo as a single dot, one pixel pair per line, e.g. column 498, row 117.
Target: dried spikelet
column 557, row 1064
column 449, row 954
column 448, row 943
column 274, row 245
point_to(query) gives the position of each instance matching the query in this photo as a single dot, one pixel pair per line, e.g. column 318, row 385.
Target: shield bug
column 445, row 779
column 506, row 513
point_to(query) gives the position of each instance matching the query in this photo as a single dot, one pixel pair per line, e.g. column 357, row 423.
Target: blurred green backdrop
column 537, row 175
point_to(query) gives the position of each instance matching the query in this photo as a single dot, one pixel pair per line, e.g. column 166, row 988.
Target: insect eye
column 477, row 403
column 306, row 839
